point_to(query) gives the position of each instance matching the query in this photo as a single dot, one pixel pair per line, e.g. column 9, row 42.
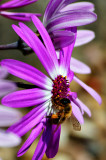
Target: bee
column 64, row 111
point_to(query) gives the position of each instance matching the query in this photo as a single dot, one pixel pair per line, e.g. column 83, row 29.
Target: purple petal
column 8, row 116
column 73, row 100
column 66, row 2
column 83, row 37
column 53, row 145
column 9, row 139
column 62, row 38
column 51, row 9
column 16, row 4
column 84, row 107
column 70, row 76
column 34, row 134
column 40, row 51
column 26, row 98
column 30, row 120
column 91, row 91
column 6, row 87
column 70, row 19
column 18, row 16
column 79, row 67
column 46, row 39
column 3, row 72
column 21, row 34
column 73, row 94
column 65, row 57
column 43, row 143
column 9, row 3
column 77, row 113
column 79, row 6
column 38, row 48
column 33, row 112
column 27, row 72
column 54, row 8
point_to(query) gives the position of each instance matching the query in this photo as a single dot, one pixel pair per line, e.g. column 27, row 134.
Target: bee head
column 65, row 101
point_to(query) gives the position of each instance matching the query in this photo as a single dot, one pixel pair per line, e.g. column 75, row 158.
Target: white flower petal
column 8, row 116
column 9, row 139
column 79, row 67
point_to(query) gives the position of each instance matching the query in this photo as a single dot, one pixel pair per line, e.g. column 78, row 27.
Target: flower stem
column 20, row 45
column 9, row 46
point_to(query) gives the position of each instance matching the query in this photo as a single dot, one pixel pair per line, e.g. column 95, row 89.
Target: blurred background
column 90, row 142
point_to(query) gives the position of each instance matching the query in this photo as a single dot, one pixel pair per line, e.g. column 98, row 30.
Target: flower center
column 60, row 87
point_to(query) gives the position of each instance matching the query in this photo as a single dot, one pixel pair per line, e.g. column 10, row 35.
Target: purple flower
column 6, row 86
column 11, row 4
column 49, row 92
column 61, row 17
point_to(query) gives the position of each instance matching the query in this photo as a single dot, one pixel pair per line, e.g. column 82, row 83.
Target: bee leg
column 48, row 116
column 61, row 120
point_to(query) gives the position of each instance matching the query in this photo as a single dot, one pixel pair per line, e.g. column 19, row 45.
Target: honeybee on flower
column 50, row 92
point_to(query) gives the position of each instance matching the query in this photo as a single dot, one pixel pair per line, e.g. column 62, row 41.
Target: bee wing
column 75, row 123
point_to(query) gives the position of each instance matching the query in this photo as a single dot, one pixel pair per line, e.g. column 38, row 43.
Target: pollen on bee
column 54, row 116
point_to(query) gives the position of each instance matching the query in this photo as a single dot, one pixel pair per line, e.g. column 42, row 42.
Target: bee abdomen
column 67, row 109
